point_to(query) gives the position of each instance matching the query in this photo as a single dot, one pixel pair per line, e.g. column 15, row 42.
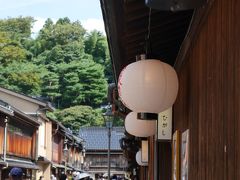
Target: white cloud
column 38, row 24
column 93, row 24
column 88, row 24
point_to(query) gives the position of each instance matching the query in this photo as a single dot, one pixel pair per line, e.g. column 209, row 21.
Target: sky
column 88, row 12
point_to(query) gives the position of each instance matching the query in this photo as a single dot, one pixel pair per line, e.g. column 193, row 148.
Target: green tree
column 61, row 63
column 61, row 33
column 19, row 28
column 78, row 116
column 61, row 54
column 96, row 45
column 83, row 82
column 10, row 53
column 72, row 93
column 14, row 32
column 50, row 86
column 91, row 41
column 22, row 77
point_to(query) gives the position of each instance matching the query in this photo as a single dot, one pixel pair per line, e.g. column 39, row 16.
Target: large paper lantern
column 139, row 158
column 148, row 86
column 139, row 128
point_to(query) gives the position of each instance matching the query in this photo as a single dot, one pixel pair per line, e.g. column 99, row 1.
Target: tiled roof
column 97, row 137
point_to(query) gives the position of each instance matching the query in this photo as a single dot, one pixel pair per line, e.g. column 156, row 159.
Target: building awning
column 67, row 167
column 43, row 160
column 76, row 169
column 22, row 164
column 58, row 166
column 2, row 163
column 83, row 175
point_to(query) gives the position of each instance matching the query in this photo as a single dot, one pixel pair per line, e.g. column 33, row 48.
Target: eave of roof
column 47, row 105
column 126, row 25
column 25, row 117
column 14, row 112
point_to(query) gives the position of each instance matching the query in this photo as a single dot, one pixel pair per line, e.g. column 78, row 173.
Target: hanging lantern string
column 148, row 32
column 149, row 23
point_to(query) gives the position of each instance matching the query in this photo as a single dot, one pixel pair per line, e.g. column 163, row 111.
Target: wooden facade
column 34, row 142
column 208, row 68
column 208, row 102
column 21, row 138
column 57, row 148
column 96, row 158
column 33, row 109
column 96, row 162
column 20, row 141
column 74, row 154
column 66, row 150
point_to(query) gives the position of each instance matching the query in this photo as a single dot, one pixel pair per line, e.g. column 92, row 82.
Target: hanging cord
column 147, row 40
column 148, row 33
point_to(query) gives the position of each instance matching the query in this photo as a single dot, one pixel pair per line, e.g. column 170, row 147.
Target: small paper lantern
column 148, row 86
column 139, row 158
column 139, row 128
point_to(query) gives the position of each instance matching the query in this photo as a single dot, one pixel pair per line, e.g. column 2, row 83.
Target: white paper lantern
column 149, row 86
column 139, row 158
column 139, row 128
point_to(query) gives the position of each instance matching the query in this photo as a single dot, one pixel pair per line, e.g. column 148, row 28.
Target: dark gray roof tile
column 97, row 137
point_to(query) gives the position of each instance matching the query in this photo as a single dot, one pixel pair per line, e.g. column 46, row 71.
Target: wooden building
column 203, row 46
column 67, row 150
column 18, row 141
column 96, row 158
column 57, row 148
column 40, row 145
column 35, row 108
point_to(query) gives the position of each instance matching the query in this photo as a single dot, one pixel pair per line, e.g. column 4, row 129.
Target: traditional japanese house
column 203, row 46
column 96, row 159
column 67, row 150
column 76, row 158
column 57, row 148
column 35, row 108
column 18, row 141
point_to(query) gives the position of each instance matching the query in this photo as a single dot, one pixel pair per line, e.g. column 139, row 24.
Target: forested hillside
column 63, row 63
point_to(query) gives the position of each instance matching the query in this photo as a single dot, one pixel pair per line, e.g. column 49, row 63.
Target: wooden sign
column 144, row 151
column 165, row 125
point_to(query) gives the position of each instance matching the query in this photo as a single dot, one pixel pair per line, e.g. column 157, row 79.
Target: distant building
column 96, row 159
column 33, row 142
column 67, row 154
column 18, row 134
column 35, row 109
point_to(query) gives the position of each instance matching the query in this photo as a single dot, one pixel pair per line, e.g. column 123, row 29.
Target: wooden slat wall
column 1, row 139
column 56, row 149
column 209, row 96
column 143, row 173
column 60, row 150
column 164, row 158
column 34, row 144
column 151, row 157
column 19, row 145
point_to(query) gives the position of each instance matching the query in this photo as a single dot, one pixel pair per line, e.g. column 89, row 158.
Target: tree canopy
column 78, row 116
column 63, row 63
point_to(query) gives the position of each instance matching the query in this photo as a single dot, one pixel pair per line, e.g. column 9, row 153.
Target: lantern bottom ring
column 147, row 116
